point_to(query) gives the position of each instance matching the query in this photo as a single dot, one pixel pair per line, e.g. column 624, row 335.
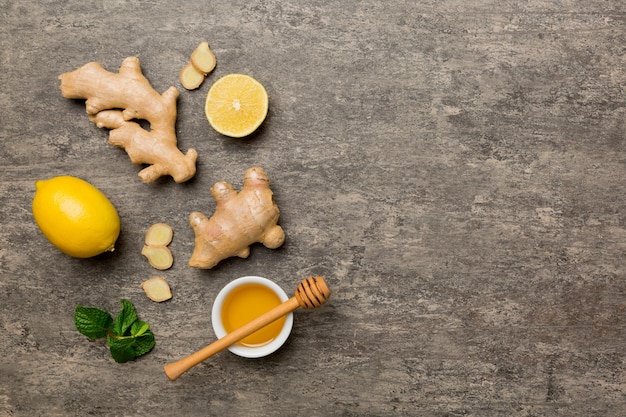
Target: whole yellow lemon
column 75, row 216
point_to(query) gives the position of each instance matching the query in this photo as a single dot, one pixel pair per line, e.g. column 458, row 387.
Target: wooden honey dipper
column 311, row 293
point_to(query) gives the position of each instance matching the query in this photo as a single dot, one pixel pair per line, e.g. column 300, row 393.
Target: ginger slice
column 157, row 289
column 201, row 63
column 190, row 77
column 159, row 234
column 159, row 256
column 203, row 59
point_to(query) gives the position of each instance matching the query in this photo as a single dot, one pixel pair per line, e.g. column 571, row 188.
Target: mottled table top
column 454, row 169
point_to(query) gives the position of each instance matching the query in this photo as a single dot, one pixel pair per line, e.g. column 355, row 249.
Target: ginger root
column 116, row 100
column 201, row 63
column 157, row 289
column 240, row 219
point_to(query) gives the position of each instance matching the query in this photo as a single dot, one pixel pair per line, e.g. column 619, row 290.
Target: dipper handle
column 311, row 293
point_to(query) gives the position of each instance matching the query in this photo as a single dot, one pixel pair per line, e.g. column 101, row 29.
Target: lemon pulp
column 75, row 216
column 236, row 105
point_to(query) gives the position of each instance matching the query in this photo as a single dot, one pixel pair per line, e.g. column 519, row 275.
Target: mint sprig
column 126, row 335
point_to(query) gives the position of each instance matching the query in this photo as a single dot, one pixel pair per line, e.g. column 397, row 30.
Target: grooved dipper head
column 312, row 292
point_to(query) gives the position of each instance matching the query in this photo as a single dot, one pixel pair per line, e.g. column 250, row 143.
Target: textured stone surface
column 455, row 169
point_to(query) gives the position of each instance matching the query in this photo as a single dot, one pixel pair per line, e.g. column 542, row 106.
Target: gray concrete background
column 454, row 169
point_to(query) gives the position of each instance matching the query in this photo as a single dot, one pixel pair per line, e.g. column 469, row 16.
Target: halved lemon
column 236, row 105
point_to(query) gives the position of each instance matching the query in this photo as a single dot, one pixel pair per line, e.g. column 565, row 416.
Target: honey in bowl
column 244, row 304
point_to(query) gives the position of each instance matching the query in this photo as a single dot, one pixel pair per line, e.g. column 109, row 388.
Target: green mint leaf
column 125, row 318
column 139, row 328
column 127, row 348
column 144, row 343
column 92, row 322
column 126, row 335
column 121, row 349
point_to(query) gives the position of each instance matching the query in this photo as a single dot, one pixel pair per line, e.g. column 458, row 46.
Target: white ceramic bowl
column 246, row 351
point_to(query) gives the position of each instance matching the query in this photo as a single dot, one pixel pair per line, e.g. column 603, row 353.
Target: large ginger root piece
column 117, row 100
column 240, row 219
